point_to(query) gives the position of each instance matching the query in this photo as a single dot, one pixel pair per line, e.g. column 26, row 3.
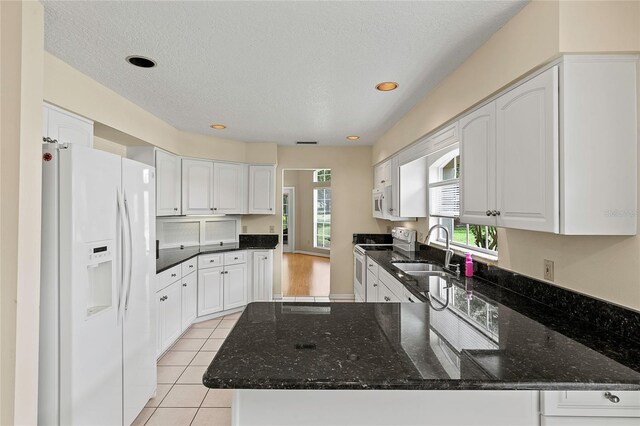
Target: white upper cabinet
column 557, row 153
column 382, row 174
column 478, row 168
column 229, row 188
column 168, row 178
column 262, row 188
column 197, row 186
column 66, row 127
column 527, row 155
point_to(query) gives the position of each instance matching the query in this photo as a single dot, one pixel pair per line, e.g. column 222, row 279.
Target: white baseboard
column 341, row 296
column 277, row 296
column 312, row 253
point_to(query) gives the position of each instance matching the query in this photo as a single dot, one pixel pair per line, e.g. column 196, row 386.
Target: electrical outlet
column 548, row 270
column 244, row 229
column 272, row 229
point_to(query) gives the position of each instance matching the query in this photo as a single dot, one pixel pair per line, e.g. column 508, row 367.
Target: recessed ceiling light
column 141, row 61
column 386, row 86
column 218, row 126
column 353, row 138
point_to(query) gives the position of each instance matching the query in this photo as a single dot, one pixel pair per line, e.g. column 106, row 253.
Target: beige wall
column 351, row 183
column 302, row 181
column 603, row 267
column 21, row 38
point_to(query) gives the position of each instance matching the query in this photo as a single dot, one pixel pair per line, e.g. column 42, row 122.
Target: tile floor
column 181, row 398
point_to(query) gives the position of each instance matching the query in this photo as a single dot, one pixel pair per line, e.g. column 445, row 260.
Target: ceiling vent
column 307, row 143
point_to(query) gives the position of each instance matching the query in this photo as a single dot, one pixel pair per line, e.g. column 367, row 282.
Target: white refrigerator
column 97, row 316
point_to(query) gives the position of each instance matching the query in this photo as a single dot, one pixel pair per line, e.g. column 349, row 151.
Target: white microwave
column 379, row 203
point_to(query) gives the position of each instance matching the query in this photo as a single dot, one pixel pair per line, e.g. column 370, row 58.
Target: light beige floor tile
column 188, row 345
column 161, row 391
column 212, row 345
column 212, row 323
column 203, row 358
column 220, row 333
column 177, row 358
column 227, row 323
column 183, row 396
column 197, row 333
column 219, row 398
column 213, row 417
column 193, row 374
column 172, row 417
column 143, row 417
column 169, row 373
column 233, row 316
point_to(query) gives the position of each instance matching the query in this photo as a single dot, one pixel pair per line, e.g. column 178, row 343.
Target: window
column 285, row 218
column 322, row 175
column 444, row 204
column 322, row 217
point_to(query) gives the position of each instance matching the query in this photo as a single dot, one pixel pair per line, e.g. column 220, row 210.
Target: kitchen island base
column 384, row 407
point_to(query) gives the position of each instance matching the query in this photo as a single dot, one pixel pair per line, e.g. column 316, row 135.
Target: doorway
column 306, row 234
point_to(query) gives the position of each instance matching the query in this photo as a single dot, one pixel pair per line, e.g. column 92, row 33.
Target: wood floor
column 305, row 275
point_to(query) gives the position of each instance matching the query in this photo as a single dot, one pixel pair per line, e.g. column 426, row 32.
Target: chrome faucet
column 448, row 252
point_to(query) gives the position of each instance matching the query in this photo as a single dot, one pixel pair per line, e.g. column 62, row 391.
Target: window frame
column 317, row 173
column 315, row 219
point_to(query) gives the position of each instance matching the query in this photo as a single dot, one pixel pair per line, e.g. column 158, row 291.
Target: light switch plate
column 548, row 270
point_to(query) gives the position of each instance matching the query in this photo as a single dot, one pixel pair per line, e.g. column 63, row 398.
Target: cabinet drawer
column 189, row 266
column 590, row 403
column 165, row 278
column 235, row 257
column 372, row 266
column 392, row 284
column 210, row 261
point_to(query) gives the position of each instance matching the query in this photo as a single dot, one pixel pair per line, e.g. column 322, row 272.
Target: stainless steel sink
column 417, row 267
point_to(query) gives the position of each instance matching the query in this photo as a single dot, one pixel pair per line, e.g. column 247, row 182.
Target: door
column 189, row 299
column 90, row 323
column 168, row 177
column 138, row 189
column 173, row 313
column 210, row 290
column 66, row 127
column 261, row 189
column 262, row 276
column 288, row 219
column 235, row 286
column 372, row 287
column 527, row 155
column 478, row 166
column 197, row 187
column 229, row 188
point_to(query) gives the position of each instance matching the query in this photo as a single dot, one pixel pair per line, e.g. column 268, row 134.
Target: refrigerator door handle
column 123, row 258
column 130, row 255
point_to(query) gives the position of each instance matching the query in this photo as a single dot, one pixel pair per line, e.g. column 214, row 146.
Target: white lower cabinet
column 210, row 290
column 169, row 307
column 189, row 299
column 590, row 408
column 261, row 288
column 235, row 286
column 372, row 287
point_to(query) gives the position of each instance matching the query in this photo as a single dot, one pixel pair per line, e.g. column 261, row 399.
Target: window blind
column 444, row 198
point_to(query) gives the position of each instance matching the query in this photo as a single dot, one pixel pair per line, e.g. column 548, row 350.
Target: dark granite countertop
column 488, row 337
column 168, row 258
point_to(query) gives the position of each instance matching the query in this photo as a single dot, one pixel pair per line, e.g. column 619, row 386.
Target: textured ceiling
column 273, row 71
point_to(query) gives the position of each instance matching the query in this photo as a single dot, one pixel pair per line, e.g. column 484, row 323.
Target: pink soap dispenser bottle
column 468, row 266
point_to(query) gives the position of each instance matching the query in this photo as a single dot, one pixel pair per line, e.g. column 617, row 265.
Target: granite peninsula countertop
column 487, row 337
column 168, row 258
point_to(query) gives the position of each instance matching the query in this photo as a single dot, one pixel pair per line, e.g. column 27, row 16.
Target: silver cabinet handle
column 190, row 266
column 235, row 258
column 411, row 300
column 184, row 284
column 611, row 397
column 175, row 209
column 375, row 285
column 173, row 275
column 211, row 261
column 371, row 265
column 221, row 272
column 387, row 299
column 497, row 212
column 488, row 212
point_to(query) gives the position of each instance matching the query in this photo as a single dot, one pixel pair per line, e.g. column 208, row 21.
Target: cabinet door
column 210, row 290
column 172, row 313
column 229, row 188
column 67, row 128
column 382, row 174
column 394, row 177
column 372, row 287
column 262, row 277
column 189, row 299
column 160, row 312
column 235, row 286
column 197, row 187
column 478, row 166
column 261, row 189
column 527, row 155
column 168, row 179
column 385, row 295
